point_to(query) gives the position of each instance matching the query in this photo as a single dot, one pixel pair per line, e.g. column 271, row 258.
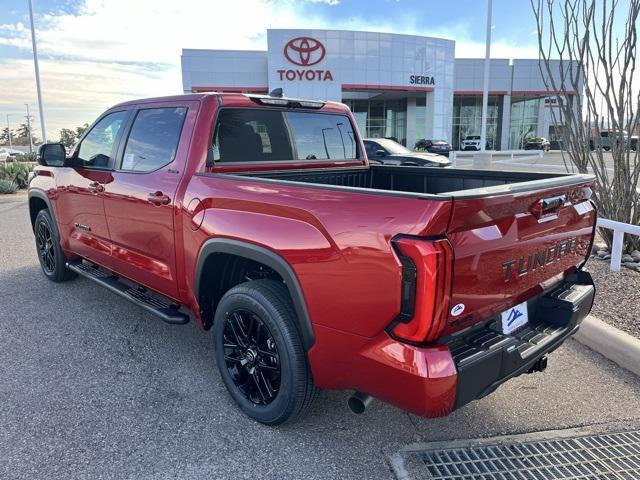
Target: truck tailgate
column 510, row 247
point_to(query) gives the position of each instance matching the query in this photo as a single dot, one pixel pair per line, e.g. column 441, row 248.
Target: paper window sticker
column 128, row 162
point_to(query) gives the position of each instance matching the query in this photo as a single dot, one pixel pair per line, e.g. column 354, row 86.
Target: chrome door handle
column 158, row 198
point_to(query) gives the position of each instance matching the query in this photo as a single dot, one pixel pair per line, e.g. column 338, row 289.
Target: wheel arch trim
column 39, row 194
column 272, row 260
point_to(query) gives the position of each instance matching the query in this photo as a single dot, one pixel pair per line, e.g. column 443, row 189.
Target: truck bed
column 506, row 228
column 453, row 182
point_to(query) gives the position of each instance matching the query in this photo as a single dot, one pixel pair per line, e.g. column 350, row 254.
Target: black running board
column 166, row 310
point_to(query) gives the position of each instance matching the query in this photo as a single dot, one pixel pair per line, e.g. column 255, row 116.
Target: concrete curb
column 608, row 341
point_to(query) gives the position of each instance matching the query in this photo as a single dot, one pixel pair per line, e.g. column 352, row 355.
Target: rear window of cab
column 266, row 135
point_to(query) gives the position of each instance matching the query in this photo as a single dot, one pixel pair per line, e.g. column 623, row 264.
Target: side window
column 154, row 138
column 322, row 136
column 96, row 149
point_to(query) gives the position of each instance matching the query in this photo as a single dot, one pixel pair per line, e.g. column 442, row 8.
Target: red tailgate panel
column 505, row 254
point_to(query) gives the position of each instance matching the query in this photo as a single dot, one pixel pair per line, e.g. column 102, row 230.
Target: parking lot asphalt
column 93, row 387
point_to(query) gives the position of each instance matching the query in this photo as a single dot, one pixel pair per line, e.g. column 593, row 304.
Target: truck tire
column 50, row 254
column 260, row 354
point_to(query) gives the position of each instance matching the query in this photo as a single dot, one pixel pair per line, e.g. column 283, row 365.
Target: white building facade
column 398, row 86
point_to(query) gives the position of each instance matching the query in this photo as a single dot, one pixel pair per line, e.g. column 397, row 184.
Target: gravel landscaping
column 617, row 295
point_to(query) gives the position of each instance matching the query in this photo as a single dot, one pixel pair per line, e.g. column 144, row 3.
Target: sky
column 96, row 53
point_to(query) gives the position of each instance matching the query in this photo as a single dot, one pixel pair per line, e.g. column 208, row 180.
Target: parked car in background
column 633, row 143
column 389, row 152
column 470, row 142
column 605, row 140
column 556, row 144
column 537, row 143
column 441, row 147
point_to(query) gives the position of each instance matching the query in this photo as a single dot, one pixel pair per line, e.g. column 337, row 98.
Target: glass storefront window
column 524, row 121
column 381, row 118
column 360, row 110
column 467, row 119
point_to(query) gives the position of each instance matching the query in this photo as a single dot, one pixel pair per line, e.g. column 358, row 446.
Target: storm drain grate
column 612, row 456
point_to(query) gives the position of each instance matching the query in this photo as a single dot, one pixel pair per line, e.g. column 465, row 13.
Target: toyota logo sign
column 304, row 51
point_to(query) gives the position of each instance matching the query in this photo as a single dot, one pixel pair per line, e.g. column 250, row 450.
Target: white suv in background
column 470, row 142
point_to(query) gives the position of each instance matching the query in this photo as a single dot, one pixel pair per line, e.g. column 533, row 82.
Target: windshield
column 473, row 137
column 392, row 147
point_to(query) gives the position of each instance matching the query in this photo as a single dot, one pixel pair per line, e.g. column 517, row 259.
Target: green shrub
column 16, row 173
column 7, row 187
column 25, row 157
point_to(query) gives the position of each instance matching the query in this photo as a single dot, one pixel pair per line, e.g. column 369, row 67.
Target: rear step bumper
column 137, row 295
column 485, row 358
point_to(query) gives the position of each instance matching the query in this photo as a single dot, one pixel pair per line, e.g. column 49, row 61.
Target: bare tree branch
column 590, row 67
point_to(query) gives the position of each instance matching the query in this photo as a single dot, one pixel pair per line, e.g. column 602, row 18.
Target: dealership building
column 401, row 86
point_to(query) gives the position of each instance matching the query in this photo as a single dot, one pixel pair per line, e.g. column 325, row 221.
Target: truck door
column 80, row 201
column 139, row 203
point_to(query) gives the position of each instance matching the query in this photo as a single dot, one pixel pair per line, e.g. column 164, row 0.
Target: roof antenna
column 276, row 92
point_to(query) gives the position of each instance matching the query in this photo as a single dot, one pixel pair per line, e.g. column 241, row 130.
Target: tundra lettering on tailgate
column 539, row 259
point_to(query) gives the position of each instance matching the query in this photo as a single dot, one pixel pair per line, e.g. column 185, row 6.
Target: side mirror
column 380, row 153
column 52, row 154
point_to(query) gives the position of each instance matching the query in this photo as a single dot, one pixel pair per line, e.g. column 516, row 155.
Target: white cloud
column 75, row 92
column 328, row 2
column 145, row 31
column 109, row 51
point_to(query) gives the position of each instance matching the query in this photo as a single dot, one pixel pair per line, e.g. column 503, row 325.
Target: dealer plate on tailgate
column 514, row 318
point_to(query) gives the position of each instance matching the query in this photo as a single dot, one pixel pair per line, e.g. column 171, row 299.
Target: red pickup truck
column 260, row 218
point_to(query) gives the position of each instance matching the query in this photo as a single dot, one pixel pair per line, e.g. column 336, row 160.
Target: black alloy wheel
column 46, row 251
column 251, row 357
column 50, row 254
column 260, row 354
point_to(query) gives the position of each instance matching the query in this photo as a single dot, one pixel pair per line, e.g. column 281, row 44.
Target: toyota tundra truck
column 260, row 218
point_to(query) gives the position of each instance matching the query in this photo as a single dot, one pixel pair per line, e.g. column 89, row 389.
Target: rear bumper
column 485, row 358
column 432, row 381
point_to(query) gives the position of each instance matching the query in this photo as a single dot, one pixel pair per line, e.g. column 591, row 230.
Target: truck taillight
column 426, row 288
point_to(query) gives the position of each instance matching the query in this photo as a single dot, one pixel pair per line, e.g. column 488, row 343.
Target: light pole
column 29, row 129
column 485, row 86
column 9, row 133
column 37, row 68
